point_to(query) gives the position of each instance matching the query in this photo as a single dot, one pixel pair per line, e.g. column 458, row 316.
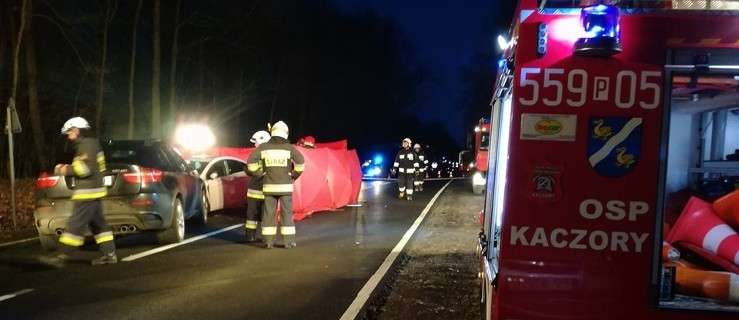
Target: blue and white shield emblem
column 614, row 144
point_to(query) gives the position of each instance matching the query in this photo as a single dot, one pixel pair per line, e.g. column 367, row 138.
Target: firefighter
column 422, row 162
column 406, row 165
column 281, row 164
column 87, row 167
column 254, row 194
column 308, row 142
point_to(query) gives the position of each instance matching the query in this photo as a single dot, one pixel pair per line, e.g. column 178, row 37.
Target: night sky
column 445, row 34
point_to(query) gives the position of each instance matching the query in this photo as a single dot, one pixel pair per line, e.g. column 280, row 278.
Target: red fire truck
column 612, row 189
column 480, row 164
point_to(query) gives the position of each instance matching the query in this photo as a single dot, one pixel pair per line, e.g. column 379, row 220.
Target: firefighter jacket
column 279, row 163
column 87, row 167
column 254, row 190
column 422, row 161
column 406, row 161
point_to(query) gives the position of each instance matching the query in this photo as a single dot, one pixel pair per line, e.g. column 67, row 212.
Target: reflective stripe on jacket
column 279, row 163
column 87, row 168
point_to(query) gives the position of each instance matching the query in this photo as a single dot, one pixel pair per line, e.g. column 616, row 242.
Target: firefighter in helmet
column 423, row 163
column 87, row 168
column 280, row 164
column 254, row 194
column 308, row 142
column 406, row 165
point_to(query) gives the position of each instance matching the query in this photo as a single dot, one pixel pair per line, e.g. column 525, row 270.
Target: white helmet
column 260, row 137
column 416, row 146
column 407, row 140
column 279, row 129
column 76, row 122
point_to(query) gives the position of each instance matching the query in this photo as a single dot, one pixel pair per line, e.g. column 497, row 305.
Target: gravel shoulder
column 437, row 276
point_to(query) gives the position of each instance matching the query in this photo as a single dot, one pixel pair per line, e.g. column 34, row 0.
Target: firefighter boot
column 289, row 241
column 402, row 194
column 107, row 258
column 269, row 241
column 250, row 236
column 409, row 197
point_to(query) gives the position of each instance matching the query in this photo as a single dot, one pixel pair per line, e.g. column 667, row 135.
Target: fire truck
column 480, row 164
column 612, row 184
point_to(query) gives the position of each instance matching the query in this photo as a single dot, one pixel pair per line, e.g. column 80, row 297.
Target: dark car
column 150, row 187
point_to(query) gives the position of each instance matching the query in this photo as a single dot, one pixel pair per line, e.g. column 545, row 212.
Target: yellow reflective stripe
column 299, row 167
column 269, row 231
column 253, row 166
column 255, row 196
column 103, row 237
column 278, row 188
column 71, row 240
column 87, row 194
column 251, row 224
column 80, row 167
column 101, row 161
column 287, row 230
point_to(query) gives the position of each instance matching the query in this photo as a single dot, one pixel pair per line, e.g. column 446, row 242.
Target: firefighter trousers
column 405, row 183
column 254, row 213
column 87, row 214
column 269, row 221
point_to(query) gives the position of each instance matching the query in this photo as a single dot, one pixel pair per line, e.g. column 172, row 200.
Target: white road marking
column 14, row 294
column 174, row 245
column 364, row 294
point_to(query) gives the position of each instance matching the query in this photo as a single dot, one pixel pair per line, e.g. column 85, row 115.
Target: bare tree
column 109, row 13
column 32, row 83
column 156, row 108
column 173, row 63
column 131, row 77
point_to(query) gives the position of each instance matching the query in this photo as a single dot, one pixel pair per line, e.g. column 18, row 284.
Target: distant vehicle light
column 478, row 179
column 195, row 137
column 378, row 159
column 376, row 171
column 434, row 165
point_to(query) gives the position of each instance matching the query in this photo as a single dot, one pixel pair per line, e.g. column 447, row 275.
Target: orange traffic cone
column 699, row 228
column 717, row 285
column 669, row 253
column 727, row 207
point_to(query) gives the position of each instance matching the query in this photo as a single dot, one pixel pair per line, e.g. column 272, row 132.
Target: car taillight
column 46, row 181
column 145, row 175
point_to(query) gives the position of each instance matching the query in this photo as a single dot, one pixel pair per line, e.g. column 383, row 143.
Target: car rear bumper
column 123, row 214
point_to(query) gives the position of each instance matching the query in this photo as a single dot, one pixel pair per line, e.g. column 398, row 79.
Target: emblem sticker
column 545, row 183
column 614, row 144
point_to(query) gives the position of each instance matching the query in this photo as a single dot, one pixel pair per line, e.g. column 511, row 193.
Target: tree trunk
column 132, row 74
column 16, row 51
column 156, row 107
column 109, row 11
column 173, row 67
column 32, row 83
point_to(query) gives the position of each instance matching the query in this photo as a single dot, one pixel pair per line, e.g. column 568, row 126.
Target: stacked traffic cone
column 669, row 253
column 723, row 286
column 727, row 208
column 699, row 228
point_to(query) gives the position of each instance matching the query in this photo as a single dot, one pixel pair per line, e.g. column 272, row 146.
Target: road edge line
column 364, row 294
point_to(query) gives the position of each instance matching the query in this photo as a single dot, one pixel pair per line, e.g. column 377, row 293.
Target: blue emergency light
column 602, row 31
column 378, row 159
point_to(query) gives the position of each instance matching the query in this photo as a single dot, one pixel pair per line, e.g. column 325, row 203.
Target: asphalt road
column 214, row 275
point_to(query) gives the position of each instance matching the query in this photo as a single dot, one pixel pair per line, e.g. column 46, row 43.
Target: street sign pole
column 12, row 125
